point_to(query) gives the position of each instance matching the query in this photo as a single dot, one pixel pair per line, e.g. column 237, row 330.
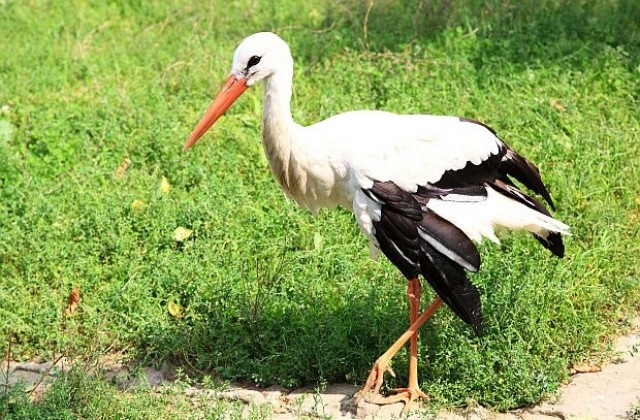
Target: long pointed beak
column 231, row 90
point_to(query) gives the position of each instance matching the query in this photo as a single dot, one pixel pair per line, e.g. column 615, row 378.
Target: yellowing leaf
column 182, row 234
column 138, row 205
column 638, row 200
column 586, row 367
column 315, row 15
column 124, row 165
column 72, row 301
column 175, row 309
column 317, row 241
column 165, row 187
column 557, row 105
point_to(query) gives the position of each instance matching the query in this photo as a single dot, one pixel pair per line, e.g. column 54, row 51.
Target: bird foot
column 407, row 395
column 371, row 389
column 374, row 380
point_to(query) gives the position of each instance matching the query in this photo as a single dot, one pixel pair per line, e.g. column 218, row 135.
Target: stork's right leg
column 376, row 377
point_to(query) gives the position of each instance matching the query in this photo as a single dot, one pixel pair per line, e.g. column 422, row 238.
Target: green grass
column 76, row 395
column 268, row 293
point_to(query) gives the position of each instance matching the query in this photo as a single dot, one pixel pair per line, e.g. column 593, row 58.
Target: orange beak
column 231, row 90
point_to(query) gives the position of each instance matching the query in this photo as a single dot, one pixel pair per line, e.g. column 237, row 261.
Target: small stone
column 154, row 377
column 247, row 396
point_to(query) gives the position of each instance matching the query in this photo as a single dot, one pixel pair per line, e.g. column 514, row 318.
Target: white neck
column 291, row 155
column 278, row 124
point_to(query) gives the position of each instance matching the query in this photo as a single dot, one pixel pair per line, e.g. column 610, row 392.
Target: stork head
column 257, row 57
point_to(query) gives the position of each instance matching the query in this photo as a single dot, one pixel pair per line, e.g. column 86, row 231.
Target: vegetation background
column 255, row 289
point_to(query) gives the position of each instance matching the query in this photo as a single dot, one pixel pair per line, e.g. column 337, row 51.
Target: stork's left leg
column 375, row 379
column 412, row 392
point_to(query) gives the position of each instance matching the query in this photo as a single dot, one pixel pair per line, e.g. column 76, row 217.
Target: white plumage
column 344, row 154
column 420, row 187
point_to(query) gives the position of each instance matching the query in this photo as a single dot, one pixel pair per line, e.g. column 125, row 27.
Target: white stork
column 422, row 188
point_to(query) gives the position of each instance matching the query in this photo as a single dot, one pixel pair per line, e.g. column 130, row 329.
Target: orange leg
column 375, row 379
column 412, row 392
column 414, row 291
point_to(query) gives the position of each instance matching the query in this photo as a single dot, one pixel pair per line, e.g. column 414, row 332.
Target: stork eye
column 253, row 61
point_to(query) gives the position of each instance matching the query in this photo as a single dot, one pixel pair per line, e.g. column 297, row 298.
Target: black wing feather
column 402, row 257
column 507, row 189
column 396, row 199
column 473, row 175
column 526, row 172
column 553, row 242
column 505, row 163
column 450, row 240
column 450, row 282
column 428, row 245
